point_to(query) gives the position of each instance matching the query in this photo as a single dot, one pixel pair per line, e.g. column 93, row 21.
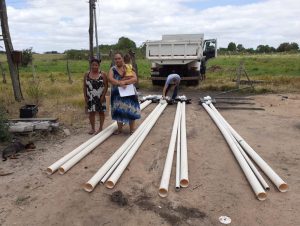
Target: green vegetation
column 278, row 72
column 285, row 47
column 259, row 65
column 4, row 134
column 26, row 57
column 56, row 97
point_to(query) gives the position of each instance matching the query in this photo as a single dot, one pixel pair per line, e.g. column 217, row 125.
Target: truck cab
column 184, row 54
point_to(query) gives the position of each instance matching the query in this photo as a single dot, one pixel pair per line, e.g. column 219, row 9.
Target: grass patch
column 58, row 98
column 4, row 134
column 280, row 73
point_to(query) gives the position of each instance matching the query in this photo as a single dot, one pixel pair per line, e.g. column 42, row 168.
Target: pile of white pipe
column 69, row 160
column 114, row 167
column 179, row 132
column 241, row 150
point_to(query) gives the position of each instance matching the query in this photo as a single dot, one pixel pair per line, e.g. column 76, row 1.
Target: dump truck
column 183, row 54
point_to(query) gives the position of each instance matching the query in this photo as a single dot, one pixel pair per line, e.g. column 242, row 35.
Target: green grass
column 56, row 97
column 259, row 65
column 280, row 73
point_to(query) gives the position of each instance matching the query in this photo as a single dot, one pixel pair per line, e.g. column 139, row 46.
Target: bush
column 74, row 54
column 4, row 134
column 26, row 57
column 35, row 92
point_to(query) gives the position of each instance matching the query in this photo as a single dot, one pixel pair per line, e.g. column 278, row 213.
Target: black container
column 28, row 111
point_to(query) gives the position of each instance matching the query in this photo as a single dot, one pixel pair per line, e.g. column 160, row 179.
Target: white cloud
column 58, row 25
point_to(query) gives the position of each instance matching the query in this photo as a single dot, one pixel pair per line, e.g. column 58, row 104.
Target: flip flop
column 98, row 131
column 117, row 132
column 91, row 132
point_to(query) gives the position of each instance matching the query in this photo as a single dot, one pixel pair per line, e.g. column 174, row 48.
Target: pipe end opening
column 61, row 170
column 184, row 183
column 49, row 171
column 262, row 196
column 109, row 184
column 283, row 187
column 162, row 192
column 88, row 187
column 177, row 188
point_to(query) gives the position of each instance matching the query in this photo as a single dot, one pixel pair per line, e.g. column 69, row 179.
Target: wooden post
column 96, row 34
column 9, row 49
column 91, row 28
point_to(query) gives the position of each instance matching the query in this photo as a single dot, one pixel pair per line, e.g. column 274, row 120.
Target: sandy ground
column 217, row 185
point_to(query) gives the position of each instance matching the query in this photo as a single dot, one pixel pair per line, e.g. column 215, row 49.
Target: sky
column 56, row 25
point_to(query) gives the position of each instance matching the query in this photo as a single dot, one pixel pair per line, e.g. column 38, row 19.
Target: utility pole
column 9, row 50
column 96, row 34
column 91, row 27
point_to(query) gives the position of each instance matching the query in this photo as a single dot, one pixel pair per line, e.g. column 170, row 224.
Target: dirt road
column 217, row 185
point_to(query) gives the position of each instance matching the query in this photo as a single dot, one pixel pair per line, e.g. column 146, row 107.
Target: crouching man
column 172, row 82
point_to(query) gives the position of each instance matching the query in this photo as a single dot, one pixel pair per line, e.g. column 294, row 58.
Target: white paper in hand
column 129, row 90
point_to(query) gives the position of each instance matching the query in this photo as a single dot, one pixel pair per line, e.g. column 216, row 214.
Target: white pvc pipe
column 111, row 182
column 145, row 104
column 274, row 177
column 256, row 186
column 184, row 177
column 164, row 183
column 51, row 169
column 140, row 131
column 252, row 166
column 71, row 162
column 84, row 152
column 91, row 184
column 178, row 154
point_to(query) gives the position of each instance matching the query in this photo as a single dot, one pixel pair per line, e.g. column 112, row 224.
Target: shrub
column 35, row 92
column 26, row 57
column 4, row 134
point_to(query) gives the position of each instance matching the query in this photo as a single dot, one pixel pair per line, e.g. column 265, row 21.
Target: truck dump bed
column 172, row 49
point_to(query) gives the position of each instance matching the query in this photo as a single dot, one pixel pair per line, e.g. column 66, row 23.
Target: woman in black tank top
column 94, row 89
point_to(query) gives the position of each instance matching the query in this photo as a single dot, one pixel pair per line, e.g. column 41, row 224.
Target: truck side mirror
column 210, row 48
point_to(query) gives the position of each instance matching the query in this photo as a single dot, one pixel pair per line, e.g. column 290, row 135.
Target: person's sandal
column 91, row 132
column 117, row 132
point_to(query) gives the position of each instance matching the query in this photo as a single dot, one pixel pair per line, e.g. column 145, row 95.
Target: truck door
column 210, row 48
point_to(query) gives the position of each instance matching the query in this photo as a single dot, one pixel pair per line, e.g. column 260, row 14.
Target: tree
column 240, row 48
column 294, row 46
column 142, row 50
column 250, row 50
column 9, row 50
column 125, row 43
column 284, row 47
column 263, row 49
column 231, row 47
